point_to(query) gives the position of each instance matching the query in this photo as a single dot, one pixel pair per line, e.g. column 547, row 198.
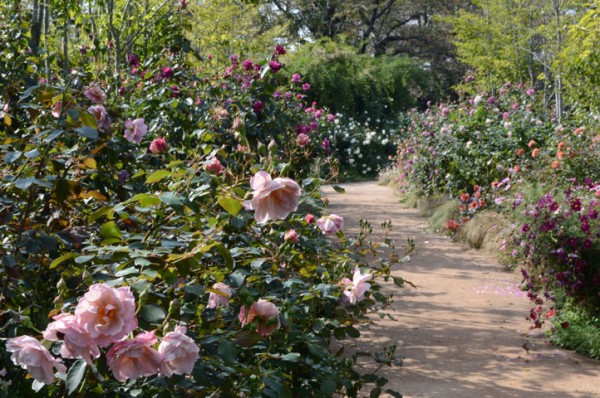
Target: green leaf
column 291, row 357
column 110, row 230
column 157, row 176
column 174, row 200
column 328, row 387
column 227, row 351
column 62, row 259
column 54, row 134
column 338, row 189
column 11, row 157
column 87, row 132
column 231, row 205
column 152, row 313
column 352, row 332
column 146, row 200
column 75, row 376
column 376, row 392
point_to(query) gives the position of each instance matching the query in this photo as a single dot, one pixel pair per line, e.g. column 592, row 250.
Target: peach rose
column 130, row 359
column 531, row 144
column 95, row 93
column 30, row 354
column 272, row 199
column 77, row 343
column 266, row 312
column 535, row 153
column 179, row 353
column 219, row 300
column 330, row 224
column 106, row 314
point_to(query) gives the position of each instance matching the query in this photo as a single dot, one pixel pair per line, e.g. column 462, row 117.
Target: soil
column 462, row 331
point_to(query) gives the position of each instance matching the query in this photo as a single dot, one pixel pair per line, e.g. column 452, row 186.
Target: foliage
column 576, row 331
column 148, row 192
column 356, row 84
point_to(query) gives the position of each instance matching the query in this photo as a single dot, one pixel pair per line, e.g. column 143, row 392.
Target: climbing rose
column 296, row 78
column 258, row 107
column 130, row 359
column 272, row 199
column 292, row 236
column 214, row 166
column 266, row 312
column 158, row 145
column 30, row 354
column 101, row 116
column 303, row 140
column 279, row 50
column 219, row 300
column 179, row 353
column 309, row 218
column 275, row 66
column 330, row 224
column 94, row 93
column 77, row 343
column 306, row 86
column 535, row 153
column 354, row 290
column 135, row 130
column 106, row 314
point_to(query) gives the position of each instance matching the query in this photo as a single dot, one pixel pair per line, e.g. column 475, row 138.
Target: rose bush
column 137, row 227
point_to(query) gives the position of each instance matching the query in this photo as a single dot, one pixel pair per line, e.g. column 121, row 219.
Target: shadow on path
column 461, row 332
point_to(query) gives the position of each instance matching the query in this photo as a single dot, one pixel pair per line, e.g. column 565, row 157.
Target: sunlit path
column 462, row 331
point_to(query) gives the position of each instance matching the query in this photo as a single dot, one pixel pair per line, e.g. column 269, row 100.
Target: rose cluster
column 105, row 315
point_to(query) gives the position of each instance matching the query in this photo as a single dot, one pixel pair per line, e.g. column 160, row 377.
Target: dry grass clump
column 484, row 231
column 441, row 211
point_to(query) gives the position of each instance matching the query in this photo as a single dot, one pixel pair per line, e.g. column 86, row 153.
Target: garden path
column 461, row 332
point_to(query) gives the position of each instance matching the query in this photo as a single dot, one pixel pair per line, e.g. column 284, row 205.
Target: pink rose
column 219, row 299
column 214, row 166
column 130, row 359
column 77, row 343
column 158, row 145
column 330, row 224
column 135, row 130
column 30, row 354
column 267, row 314
column 101, row 116
column 303, row 140
column 94, row 93
column 292, row 236
column 56, row 109
column 179, row 353
column 309, row 218
column 354, row 290
column 106, row 314
column 272, row 199
column 296, row 78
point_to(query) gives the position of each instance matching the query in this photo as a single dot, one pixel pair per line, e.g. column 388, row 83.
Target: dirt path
column 461, row 332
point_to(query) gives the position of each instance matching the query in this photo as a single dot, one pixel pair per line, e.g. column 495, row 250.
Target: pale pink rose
column 95, row 93
column 158, row 145
column 106, row 314
column 30, row 354
column 266, row 312
column 272, row 199
column 214, row 166
column 101, row 116
column 130, row 359
column 330, row 224
column 56, row 109
column 354, row 290
column 179, row 353
column 77, row 343
column 303, row 140
column 219, row 300
column 135, row 130
column 292, row 236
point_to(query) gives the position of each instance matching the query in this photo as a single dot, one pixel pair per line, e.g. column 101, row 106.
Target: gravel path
column 461, row 332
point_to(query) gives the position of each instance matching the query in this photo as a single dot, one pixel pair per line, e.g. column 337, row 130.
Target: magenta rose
column 214, row 166
column 77, row 343
column 101, row 116
column 272, row 198
column 219, row 299
column 179, row 353
column 130, row 359
column 30, row 354
column 158, row 145
column 95, row 93
column 106, row 314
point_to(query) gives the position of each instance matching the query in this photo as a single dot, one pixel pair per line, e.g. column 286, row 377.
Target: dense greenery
column 130, row 164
